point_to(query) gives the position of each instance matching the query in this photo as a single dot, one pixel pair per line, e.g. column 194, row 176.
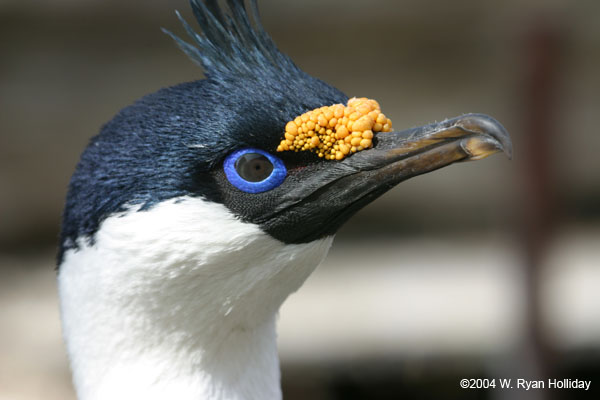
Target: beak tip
column 488, row 126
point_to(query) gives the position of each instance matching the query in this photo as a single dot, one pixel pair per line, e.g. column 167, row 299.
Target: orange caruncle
column 334, row 132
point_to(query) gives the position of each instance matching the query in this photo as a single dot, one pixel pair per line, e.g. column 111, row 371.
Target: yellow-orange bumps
column 336, row 131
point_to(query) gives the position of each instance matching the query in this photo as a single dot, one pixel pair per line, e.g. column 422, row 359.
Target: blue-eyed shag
column 197, row 210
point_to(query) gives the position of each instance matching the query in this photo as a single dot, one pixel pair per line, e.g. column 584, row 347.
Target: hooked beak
column 333, row 191
column 423, row 149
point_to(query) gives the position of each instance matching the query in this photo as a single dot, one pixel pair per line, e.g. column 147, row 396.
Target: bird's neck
column 179, row 302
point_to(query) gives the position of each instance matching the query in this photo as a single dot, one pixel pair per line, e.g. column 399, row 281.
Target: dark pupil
column 253, row 167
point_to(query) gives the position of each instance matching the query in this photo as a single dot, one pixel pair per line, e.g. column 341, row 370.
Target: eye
column 254, row 170
column 253, row 167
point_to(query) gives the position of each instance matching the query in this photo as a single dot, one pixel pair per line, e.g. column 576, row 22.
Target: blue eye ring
column 275, row 179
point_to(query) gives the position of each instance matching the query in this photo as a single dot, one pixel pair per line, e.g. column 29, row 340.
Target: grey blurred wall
column 68, row 66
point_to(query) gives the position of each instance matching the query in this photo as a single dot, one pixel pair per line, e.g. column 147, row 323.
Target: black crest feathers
column 233, row 41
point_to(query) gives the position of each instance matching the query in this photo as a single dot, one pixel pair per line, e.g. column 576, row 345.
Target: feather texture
column 233, row 41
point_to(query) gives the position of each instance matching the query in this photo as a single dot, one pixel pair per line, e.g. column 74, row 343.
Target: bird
column 197, row 210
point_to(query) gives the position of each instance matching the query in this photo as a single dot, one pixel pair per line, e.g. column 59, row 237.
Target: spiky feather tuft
column 233, row 41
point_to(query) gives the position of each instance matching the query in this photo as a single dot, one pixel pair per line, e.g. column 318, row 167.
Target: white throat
column 179, row 302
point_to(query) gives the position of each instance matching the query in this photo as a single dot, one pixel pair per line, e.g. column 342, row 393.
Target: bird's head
column 218, row 139
column 198, row 209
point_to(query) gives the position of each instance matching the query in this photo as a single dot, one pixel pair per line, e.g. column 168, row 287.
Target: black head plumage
column 168, row 144
column 233, row 42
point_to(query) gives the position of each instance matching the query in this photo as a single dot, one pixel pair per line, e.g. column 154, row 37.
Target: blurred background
column 486, row 270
